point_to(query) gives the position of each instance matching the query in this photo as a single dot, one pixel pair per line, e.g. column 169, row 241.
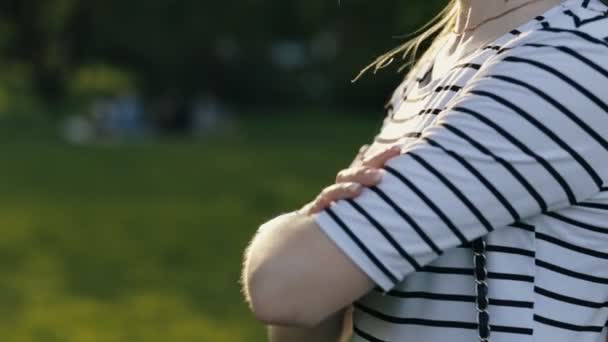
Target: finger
column 320, row 203
column 340, row 191
column 379, row 159
column 360, row 155
column 361, row 175
column 334, row 193
column 362, row 151
column 306, row 209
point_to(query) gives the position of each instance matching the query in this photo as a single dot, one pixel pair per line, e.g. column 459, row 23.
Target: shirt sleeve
column 524, row 137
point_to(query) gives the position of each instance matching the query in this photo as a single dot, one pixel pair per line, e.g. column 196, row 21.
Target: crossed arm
column 294, row 275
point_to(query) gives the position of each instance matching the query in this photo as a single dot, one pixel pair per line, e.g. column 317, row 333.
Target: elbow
column 275, row 301
column 265, row 302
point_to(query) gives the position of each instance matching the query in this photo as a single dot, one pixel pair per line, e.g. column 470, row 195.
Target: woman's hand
column 360, row 156
column 363, row 172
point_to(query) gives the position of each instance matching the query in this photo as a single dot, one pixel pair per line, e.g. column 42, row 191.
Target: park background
column 143, row 142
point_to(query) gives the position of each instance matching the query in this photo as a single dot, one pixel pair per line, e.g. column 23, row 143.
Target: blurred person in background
column 479, row 211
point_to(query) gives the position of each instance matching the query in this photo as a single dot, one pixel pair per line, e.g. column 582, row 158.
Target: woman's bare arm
column 294, row 274
column 336, row 328
column 339, row 327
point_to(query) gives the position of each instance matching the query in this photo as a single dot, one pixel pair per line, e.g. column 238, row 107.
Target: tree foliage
column 186, row 48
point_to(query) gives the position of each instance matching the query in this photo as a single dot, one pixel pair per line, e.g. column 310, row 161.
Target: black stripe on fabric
column 499, row 196
column 510, row 250
column 511, row 330
column 429, row 203
column 432, row 111
column 451, row 87
column 549, row 133
column 578, row 33
column 585, row 3
column 469, row 272
column 515, row 32
column 447, row 270
column 520, row 178
column 561, row 76
column 524, row 148
column 426, row 74
column 570, row 273
column 569, row 300
column 574, row 54
column 408, row 219
column 461, row 196
column 601, row 206
column 505, row 249
column 474, row 66
column 593, row 228
column 404, row 91
column 542, row 20
column 415, row 321
column 503, row 50
column 566, row 245
column 362, row 246
column 458, row 298
column 454, row 88
column 389, row 107
column 596, row 136
column 523, row 226
column 468, row 65
column 366, row 336
column 412, row 135
column 492, row 47
column 510, row 276
column 568, row 326
column 578, row 22
column 386, row 234
column 511, row 303
column 440, row 323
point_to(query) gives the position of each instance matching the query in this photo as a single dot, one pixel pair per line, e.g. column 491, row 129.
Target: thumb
column 379, row 159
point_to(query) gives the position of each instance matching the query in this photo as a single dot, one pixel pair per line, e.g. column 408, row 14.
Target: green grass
column 143, row 241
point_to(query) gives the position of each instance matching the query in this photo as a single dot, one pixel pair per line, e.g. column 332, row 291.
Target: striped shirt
column 510, row 145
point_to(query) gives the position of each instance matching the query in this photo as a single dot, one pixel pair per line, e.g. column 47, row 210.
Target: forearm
column 331, row 330
column 295, row 275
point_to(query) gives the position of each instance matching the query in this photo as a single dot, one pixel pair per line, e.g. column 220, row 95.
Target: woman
column 488, row 221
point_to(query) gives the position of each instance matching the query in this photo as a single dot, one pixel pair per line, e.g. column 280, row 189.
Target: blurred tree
column 246, row 52
column 37, row 32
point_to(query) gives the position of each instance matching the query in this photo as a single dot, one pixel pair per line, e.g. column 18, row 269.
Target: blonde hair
column 441, row 25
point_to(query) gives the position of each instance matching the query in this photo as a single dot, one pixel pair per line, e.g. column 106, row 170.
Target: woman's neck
column 474, row 12
column 480, row 9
